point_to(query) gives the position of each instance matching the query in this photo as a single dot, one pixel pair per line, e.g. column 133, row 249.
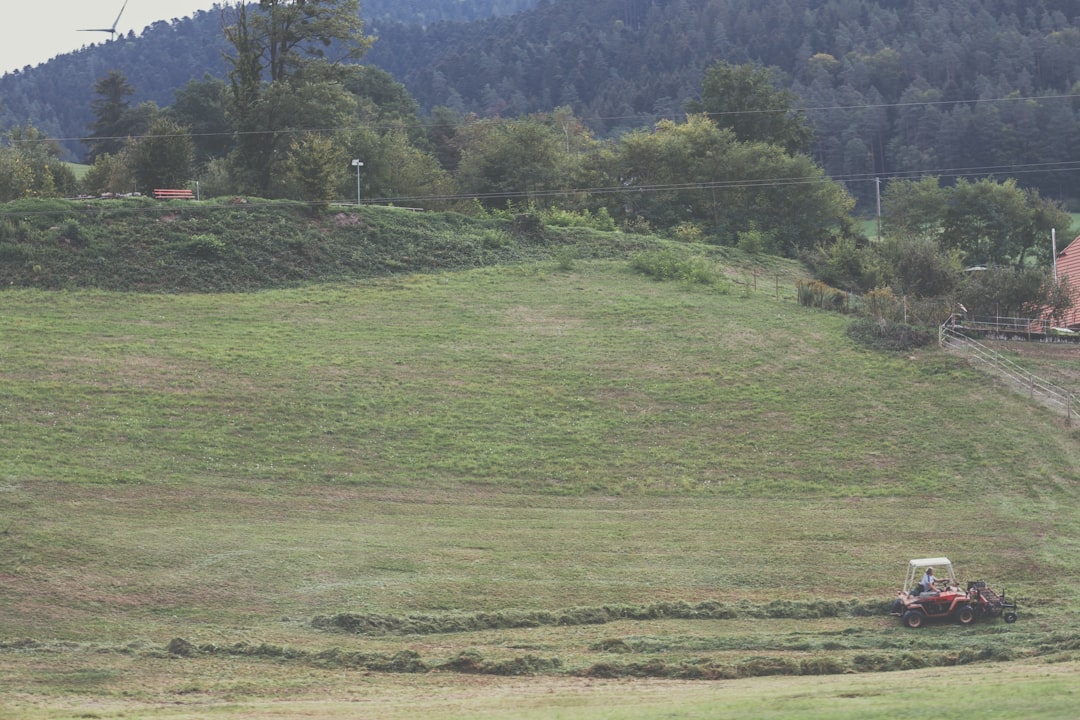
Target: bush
column 73, row 232
column 206, row 247
column 881, row 334
column 494, row 239
column 672, row 265
column 813, row 293
column 557, row 217
column 688, row 233
column 528, row 226
column 756, row 242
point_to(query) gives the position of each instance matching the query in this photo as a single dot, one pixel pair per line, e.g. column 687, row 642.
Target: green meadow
column 549, row 489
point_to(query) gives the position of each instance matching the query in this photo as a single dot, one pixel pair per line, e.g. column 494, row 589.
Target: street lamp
column 357, row 163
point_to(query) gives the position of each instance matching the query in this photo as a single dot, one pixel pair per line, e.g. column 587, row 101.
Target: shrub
column 73, row 232
column 669, row 264
column 528, row 226
column 493, row 239
column 637, row 225
column 557, row 217
column 756, row 242
column 206, row 247
column 12, row 253
column 688, row 233
column 893, row 336
column 813, row 293
column 564, row 259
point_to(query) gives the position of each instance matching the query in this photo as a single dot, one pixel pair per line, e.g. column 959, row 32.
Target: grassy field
column 1064, row 237
column 546, row 490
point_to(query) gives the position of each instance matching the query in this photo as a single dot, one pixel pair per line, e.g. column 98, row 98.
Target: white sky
column 35, row 31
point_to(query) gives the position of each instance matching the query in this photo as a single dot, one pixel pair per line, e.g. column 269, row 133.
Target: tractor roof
column 924, row 562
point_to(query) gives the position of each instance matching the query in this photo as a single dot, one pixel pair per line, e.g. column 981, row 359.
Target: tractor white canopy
column 942, row 569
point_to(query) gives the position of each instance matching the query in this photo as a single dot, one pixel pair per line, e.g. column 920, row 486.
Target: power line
column 662, row 116
column 634, row 189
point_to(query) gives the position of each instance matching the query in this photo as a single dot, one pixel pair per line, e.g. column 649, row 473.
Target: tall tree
column 914, row 209
column 291, row 33
column 162, row 158
column 518, row 160
column 986, row 220
column 200, row 105
column 696, row 172
column 747, row 99
column 112, row 124
column 286, row 66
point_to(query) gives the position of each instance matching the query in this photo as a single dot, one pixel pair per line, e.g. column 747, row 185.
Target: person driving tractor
column 927, row 584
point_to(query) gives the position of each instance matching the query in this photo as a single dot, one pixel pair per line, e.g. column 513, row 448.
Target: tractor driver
column 927, row 582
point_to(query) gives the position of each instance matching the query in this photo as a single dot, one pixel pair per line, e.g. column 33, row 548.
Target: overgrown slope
column 148, row 246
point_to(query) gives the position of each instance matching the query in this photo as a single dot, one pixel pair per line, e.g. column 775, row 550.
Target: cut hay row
column 376, row 624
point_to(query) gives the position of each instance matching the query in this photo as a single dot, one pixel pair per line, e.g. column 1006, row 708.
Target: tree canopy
column 747, row 99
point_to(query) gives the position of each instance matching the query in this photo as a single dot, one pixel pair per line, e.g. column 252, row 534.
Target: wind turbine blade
column 117, row 22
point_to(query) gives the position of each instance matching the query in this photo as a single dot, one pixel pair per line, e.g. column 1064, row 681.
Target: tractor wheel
column 965, row 615
column 914, row 618
column 1010, row 617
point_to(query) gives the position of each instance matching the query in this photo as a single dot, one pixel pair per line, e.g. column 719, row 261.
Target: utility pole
column 1053, row 250
column 357, row 164
column 877, row 185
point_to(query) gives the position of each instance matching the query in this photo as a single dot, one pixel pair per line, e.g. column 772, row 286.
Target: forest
column 892, row 88
column 770, row 127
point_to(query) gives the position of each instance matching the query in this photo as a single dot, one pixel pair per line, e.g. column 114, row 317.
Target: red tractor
column 916, row 604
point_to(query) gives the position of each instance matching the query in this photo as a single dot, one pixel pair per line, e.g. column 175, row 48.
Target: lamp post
column 357, row 163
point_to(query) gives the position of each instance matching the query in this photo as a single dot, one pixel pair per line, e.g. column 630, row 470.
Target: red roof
column 1068, row 266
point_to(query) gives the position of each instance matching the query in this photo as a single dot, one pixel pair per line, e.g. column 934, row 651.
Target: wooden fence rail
column 1019, row 379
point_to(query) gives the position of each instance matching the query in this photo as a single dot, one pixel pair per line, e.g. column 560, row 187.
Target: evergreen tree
column 111, row 107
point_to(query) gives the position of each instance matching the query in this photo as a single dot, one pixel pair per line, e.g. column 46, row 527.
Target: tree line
column 740, row 167
column 294, row 115
column 891, row 88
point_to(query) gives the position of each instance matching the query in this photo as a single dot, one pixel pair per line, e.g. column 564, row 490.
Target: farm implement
column 915, row 604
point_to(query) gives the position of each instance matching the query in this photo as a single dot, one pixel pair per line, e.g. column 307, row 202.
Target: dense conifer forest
column 891, row 87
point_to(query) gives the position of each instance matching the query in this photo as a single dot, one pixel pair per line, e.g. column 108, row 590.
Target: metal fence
column 1021, row 380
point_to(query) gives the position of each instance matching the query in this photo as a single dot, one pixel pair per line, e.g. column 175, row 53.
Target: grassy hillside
column 232, row 245
column 500, row 491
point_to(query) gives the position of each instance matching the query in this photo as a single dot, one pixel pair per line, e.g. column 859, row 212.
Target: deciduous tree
column 286, row 77
column 162, row 157
column 747, row 99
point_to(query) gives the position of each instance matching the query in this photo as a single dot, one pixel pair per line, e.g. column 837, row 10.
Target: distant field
column 1064, row 235
column 79, row 169
column 547, row 488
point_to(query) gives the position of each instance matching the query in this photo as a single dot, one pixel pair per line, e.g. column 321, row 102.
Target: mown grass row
column 376, row 624
column 471, row 661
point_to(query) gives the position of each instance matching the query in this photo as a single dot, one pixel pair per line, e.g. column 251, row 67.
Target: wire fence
column 1016, row 377
column 1008, row 327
